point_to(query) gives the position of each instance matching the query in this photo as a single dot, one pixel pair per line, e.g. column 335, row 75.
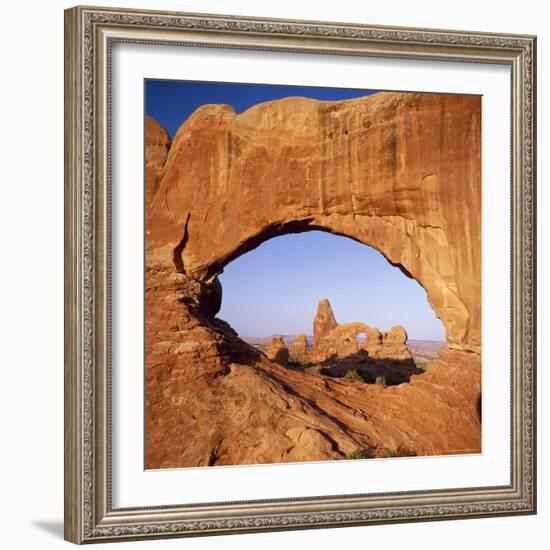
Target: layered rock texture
column 399, row 172
column 157, row 145
column 396, row 171
column 212, row 399
column 332, row 340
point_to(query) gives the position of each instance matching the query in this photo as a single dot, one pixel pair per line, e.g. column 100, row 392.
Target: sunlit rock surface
column 157, row 145
column 399, row 172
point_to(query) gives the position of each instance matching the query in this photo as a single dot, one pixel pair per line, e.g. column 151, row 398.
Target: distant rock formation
column 298, row 349
column 212, row 399
column 395, row 344
column 277, row 350
column 334, row 341
column 324, row 321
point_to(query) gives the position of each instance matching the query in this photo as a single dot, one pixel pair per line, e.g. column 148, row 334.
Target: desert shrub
column 295, row 364
column 381, row 380
column 356, row 454
column 421, row 363
column 353, row 375
column 399, row 452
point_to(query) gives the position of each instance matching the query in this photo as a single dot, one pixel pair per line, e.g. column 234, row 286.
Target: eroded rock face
column 324, row 321
column 392, row 170
column 212, row 399
column 394, row 344
column 277, row 350
column 157, row 145
column 388, row 171
column 298, row 350
column 334, row 341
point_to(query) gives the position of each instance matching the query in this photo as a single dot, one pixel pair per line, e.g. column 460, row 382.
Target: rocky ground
column 213, row 399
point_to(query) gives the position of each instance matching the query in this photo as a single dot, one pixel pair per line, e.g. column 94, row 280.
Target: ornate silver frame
column 89, row 35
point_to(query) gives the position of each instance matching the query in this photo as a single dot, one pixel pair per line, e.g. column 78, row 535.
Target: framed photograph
column 300, row 274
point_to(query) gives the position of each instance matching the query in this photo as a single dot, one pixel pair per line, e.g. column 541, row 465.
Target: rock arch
column 397, row 171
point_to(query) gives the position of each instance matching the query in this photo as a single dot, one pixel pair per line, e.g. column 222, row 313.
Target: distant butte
column 335, row 341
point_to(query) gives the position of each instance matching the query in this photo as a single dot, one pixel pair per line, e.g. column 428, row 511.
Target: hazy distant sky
column 275, row 288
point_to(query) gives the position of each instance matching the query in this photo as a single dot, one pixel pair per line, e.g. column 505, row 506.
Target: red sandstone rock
column 324, row 321
column 397, row 171
column 277, row 350
column 157, row 145
column 394, row 344
column 334, row 341
column 391, row 171
column 211, row 399
column 298, row 350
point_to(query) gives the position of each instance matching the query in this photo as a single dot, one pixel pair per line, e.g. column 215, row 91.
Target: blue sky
column 275, row 288
column 171, row 102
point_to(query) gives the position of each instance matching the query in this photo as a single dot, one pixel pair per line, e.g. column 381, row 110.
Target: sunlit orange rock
column 157, row 145
column 335, row 341
column 324, row 321
column 397, row 171
column 212, row 399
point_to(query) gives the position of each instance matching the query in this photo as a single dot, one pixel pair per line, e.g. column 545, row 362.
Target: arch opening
column 379, row 184
column 271, row 292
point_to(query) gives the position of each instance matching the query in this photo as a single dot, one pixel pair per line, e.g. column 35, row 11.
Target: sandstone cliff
column 397, row 171
column 157, row 145
column 393, row 171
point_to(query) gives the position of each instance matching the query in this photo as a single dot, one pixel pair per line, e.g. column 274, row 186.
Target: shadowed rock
column 212, row 399
column 298, row 349
column 277, row 350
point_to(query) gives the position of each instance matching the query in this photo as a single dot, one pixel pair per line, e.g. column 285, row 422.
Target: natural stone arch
column 398, row 172
column 436, row 298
